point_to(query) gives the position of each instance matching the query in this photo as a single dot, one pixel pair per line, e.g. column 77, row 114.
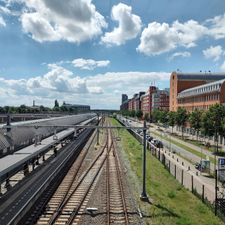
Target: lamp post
column 144, row 196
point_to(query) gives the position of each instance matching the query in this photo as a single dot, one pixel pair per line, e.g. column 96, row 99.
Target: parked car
column 159, row 144
column 150, row 138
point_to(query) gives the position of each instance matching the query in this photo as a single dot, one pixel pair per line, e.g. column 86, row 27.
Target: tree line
column 209, row 123
column 37, row 109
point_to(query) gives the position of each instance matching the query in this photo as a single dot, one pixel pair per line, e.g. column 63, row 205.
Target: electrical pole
column 144, row 196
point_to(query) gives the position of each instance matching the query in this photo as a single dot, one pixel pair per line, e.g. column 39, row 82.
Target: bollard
column 203, row 193
column 182, row 177
column 175, row 171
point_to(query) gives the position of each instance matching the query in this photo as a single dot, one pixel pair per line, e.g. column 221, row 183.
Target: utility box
column 205, row 166
column 221, row 169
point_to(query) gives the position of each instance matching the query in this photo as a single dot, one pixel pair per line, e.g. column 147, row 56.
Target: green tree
column 172, row 119
column 156, row 114
column 139, row 114
column 163, row 117
column 216, row 114
column 206, row 124
column 132, row 113
column 146, row 116
column 195, row 120
column 181, row 118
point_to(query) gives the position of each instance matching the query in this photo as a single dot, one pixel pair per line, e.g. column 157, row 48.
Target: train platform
column 19, row 160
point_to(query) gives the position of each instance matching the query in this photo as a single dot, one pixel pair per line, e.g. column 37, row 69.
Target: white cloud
column 2, row 22
column 222, row 68
column 4, row 10
column 213, row 52
column 60, row 83
column 89, row 64
column 179, row 54
column 159, row 38
column 217, row 26
column 129, row 25
column 48, row 20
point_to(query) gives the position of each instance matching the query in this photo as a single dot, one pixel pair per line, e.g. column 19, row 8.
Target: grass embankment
column 172, row 204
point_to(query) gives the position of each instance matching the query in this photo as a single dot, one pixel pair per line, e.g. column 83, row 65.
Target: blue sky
column 91, row 52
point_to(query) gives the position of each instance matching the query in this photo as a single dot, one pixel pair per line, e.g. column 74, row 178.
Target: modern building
column 202, row 96
column 183, row 81
column 160, row 100
column 124, row 98
column 77, row 108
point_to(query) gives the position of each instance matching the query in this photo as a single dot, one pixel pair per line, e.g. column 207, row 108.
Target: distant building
column 180, row 82
column 160, row 99
column 133, row 103
column 124, row 98
column 77, row 108
column 146, row 100
column 125, row 104
column 34, row 106
column 137, row 101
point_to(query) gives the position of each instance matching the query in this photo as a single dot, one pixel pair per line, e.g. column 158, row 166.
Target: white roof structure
column 202, row 89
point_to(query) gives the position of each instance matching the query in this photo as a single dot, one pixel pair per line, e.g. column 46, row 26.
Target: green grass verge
column 172, row 204
column 182, row 146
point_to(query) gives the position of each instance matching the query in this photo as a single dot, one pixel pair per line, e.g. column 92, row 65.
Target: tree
column 172, row 119
column 195, row 120
column 156, row 115
column 146, row 116
column 181, row 118
column 132, row 113
column 163, row 117
column 216, row 114
column 206, row 124
column 139, row 114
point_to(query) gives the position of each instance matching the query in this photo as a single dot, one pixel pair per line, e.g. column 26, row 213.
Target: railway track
column 69, row 202
column 72, row 195
column 117, row 212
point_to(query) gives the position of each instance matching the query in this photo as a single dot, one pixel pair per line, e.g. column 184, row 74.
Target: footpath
column 182, row 166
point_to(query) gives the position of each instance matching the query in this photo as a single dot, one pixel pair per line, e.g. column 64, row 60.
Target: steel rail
column 57, row 213
column 74, row 213
column 121, row 186
column 75, row 174
column 71, row 126
column 52, row 174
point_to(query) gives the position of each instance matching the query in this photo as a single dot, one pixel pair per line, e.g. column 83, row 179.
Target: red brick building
column 146, row 100
column 203, row 96
column 183, row 81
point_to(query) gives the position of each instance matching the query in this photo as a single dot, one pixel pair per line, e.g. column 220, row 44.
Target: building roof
column 201, row 76
column 202, row 89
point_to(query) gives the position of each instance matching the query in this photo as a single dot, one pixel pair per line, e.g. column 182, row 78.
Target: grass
column 172, row 204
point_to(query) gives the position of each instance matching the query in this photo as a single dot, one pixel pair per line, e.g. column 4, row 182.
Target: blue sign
column 222, row 161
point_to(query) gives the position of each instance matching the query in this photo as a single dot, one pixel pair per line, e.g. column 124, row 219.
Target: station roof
column 13, row 163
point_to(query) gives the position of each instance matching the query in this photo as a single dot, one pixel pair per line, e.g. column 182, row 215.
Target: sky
column 90, row 52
